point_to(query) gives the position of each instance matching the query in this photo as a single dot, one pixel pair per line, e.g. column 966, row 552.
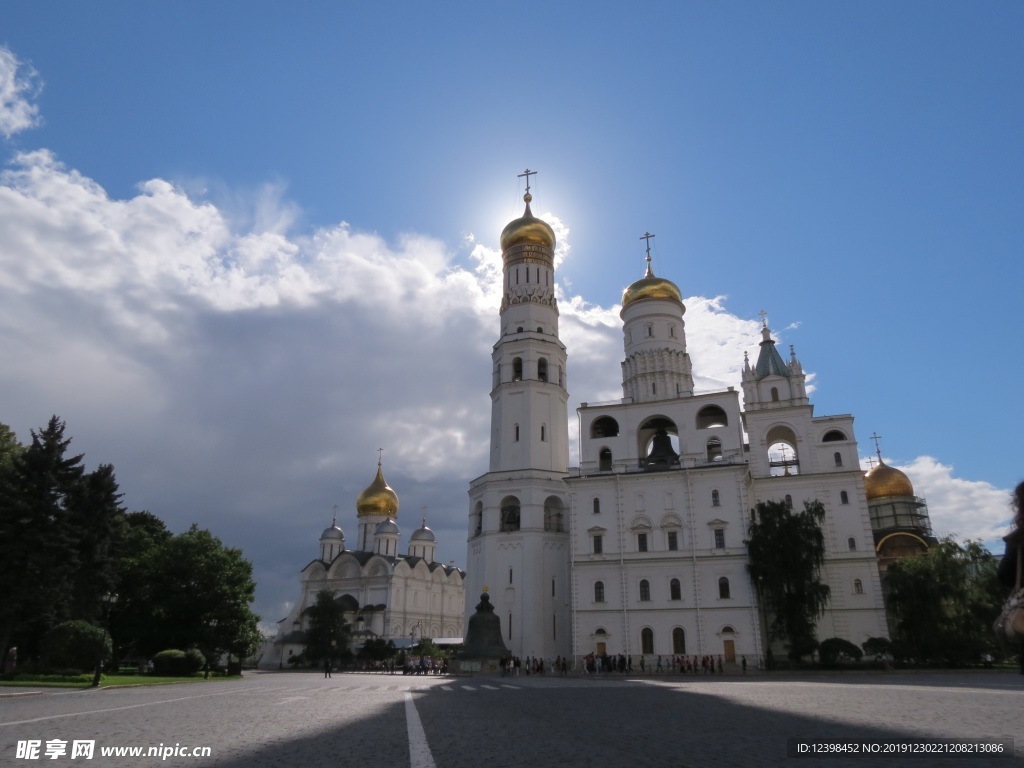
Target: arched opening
column 678, row 641
column 542, row 369
column 598, row 591
column 554, row 514
column 658, row 444
column 509, row 514
column 604, row 460
column 647, row 640
column 783, row 458
column 714, row 449
column 858, row 587
column 716, row 499
column 837, row 457
column 711, row 416
column 478, row 518
column 775, row 394
column 645, row 591
column 844, row 497
column 517, row 368
column 723, row 588
column 832, row 436
column 597, row 506
column 675, row 590
column 851, row 544
column 605, row 426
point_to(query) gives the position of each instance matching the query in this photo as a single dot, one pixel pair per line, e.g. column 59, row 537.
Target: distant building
column 385, row 594
column 641, row 549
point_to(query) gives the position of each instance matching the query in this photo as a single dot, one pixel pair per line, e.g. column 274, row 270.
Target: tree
column 787, row 551
column 328, row 634
column 944, row 601
column 198, row 594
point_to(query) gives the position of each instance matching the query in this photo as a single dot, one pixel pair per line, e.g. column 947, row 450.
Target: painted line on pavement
column 419, row 750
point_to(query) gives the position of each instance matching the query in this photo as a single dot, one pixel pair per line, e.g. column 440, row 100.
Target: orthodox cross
column 876, row 437
column 423, row 509
column 527, row 173
column 380, row 456
column 647, row 236
column 334, row 520
column 764, row 318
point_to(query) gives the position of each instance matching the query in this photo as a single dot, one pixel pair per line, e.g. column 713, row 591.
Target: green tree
column 787, row 551
column 328, row 634
column 198, row 594
column 943, row 602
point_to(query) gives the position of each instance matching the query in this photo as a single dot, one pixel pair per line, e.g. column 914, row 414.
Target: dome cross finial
column 647, row 236
column 876, row 437
column 764, row 318
column 527, row 173
column 380, row 456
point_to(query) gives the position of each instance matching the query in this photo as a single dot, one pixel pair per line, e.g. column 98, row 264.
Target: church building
column 398, row 597
column 641, row 548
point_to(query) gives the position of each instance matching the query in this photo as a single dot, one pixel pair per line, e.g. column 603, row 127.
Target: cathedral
column 384, row 594
column 641, row 548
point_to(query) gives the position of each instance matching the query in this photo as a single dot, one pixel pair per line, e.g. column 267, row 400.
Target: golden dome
column 883, row 480
column 378, row 498
column 651, row 287
column 527, row 229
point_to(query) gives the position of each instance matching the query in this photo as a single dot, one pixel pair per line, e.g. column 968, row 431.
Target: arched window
column 605, row 426
column 517, row 433
column 509, row 514
column 543, row 433
column 783, row 458
column 838, row 458
column 517, row 368
column 832, row 436
column 711, row 416
column 678, row 640
column 714, row 449
column 542, row 369
column 478, row 518
column 645, row 591
column 775, row 394
column 598, row 591
column 852, row 544
column 675, row 591
column 554, row 514
column 858, row 587
column 716, row 500
column 604, row 460
column 723, row 588
column 647, row 640
column 597, row 506
column 844, row 497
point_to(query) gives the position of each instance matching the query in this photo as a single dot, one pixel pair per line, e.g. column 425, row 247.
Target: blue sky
column 243, row 245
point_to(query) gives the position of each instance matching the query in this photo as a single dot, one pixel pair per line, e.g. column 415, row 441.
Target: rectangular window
column 719, row 538
column 641, row 542
column 598, row 545
column 673, row 541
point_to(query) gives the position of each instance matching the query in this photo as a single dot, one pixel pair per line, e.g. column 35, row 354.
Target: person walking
column 327, row 666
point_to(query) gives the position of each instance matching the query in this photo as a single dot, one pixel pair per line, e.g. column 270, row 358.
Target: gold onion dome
column 882, row 481
column 651, row 287
column 378, row 498
column 527, row 229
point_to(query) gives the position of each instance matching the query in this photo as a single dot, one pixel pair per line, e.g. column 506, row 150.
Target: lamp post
column 108, row 601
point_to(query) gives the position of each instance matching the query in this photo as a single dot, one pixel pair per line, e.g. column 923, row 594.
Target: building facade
column 641, row 549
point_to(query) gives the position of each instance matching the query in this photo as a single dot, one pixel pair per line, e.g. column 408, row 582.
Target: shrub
column 835, row 648
column 75, row 645
column 877, row 646
column 175, row 663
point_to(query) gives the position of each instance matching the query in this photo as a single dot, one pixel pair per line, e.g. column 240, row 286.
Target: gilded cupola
column 651, row 287
column 527, row 230
column 378, row 498
column 882, row 481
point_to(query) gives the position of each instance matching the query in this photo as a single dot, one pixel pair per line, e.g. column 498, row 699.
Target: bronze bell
column 483, row 637
column 662, row 456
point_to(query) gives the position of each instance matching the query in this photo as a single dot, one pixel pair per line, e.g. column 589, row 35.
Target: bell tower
column 518, row 516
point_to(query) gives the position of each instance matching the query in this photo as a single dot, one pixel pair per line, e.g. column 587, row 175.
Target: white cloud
column 19, row 86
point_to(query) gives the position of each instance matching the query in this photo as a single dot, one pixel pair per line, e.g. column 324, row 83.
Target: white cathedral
column 397, row 597
column 640, row 549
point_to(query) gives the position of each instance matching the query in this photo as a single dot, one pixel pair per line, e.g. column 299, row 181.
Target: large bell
column 661, row 456
column 483, row 637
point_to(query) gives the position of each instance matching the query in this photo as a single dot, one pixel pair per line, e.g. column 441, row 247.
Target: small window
column 517, row 368
column 543, row 434
column 838, row 458
column 597, row 506
column 542, row 368
column 605, row 460
column 509, row 575
column 673, row 541
column 844, row 497
column 719, row 538
column 647, row 640
column 641, row 542
column 852, row 544
column 598, row 591
column 675, row 590
column 858, row 587
column 517, row 433
column 716, row 500
column 678, row 640
column 775, row 394
column 714, row 449
column 598, row 545
column 645, row 591
column 723, row 588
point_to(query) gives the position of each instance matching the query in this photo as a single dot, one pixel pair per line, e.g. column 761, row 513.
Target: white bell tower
column 518, row 515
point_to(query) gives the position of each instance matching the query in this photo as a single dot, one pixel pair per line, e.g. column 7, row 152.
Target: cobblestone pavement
column 294, row 719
